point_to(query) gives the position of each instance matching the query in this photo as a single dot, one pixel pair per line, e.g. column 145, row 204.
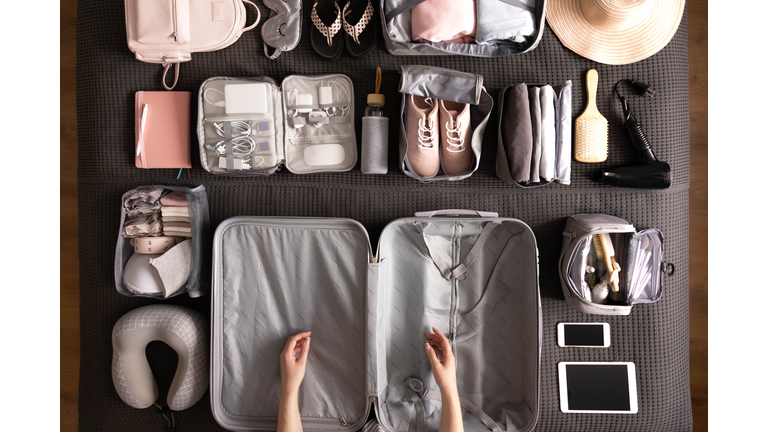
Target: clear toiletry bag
column 606, row 266
column 164, row 244
column 438, row 88
column 534, row 145
column 501, row 27
column 252, row 126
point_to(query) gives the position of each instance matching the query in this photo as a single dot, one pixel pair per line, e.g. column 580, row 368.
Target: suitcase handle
column 455, row 212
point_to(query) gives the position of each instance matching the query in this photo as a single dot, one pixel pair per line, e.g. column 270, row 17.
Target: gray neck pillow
column 183, row 329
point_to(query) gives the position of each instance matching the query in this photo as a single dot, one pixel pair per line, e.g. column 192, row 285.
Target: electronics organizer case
column 282, row 143
column 274, row 277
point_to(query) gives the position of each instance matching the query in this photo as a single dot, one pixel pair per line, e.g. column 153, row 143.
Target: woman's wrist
column 288, row 391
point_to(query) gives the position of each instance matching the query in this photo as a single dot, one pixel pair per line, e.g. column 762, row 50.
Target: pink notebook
column 162, row 129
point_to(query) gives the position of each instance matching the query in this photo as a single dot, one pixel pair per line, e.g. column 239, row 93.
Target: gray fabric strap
column 294, row 121
column 405, row 7
column 468, row 260
column 422, row 392
column 520, row 4
column 227, row 129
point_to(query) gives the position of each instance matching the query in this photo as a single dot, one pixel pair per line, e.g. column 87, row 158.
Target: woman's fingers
column 290, row 344
column 304, row 350
column 432, row 355
column 444, row 344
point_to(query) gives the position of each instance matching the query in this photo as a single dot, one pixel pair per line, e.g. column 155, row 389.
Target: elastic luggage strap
column 468, row 260
column 408, row 5
column 419, row 392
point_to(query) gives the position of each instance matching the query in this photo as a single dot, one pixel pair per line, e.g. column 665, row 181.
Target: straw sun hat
column 615, row 31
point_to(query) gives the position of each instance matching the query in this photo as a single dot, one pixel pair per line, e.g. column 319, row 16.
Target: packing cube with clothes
column 475, row 278
column 164, row 242
column 484, row 28
column 534, row 145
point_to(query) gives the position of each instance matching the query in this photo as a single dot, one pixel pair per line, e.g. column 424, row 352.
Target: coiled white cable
column 342, row 95
column 242, row 143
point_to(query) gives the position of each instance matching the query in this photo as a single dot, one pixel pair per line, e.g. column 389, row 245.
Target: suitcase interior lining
column 279, row 281
column 494, row 324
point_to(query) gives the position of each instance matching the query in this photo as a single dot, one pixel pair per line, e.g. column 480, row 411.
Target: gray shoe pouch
column 563, row 121
column 446, row 84
column 197, row 283
column 285, row 134
column 474, row 278
column 640, row 256
column 396, row 29
column 282, row 31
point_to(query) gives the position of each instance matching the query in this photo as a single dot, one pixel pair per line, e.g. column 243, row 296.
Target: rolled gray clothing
column 533, row 94
column 548, row 134
column 518, row 137
column 373, row 152
column 504, row 22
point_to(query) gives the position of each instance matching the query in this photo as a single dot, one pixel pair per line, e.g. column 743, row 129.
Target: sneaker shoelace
column 426, row 133
column 426, row 136
column 453, row 138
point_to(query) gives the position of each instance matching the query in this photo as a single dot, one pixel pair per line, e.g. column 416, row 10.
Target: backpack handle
column 258, row 17
column 176, row 75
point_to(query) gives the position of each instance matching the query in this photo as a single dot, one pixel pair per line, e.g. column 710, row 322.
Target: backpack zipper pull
column 174, row 36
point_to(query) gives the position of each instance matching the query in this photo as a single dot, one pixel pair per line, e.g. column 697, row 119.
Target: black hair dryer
column 651, row 173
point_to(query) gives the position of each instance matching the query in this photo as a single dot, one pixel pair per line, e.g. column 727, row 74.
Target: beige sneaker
column 422, row 155
column 455, row 137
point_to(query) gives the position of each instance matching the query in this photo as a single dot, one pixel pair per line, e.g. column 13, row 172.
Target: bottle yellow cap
column 376, row 99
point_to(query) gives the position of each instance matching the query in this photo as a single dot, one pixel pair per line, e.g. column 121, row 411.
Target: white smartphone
column 596, row 387
column 585, row 335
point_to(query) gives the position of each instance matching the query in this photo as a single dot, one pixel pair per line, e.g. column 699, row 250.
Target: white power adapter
column 239, row 164
column 326, row 95
column 303, row 99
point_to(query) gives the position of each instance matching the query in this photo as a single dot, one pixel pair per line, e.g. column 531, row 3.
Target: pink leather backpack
column 169, row 31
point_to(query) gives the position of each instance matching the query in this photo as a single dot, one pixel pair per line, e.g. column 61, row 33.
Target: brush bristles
column 598, row 245
column 591, row 140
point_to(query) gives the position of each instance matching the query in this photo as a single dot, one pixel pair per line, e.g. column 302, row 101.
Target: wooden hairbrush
column 591, row 138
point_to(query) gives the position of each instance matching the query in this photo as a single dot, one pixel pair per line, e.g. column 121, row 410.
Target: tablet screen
column 599, row 387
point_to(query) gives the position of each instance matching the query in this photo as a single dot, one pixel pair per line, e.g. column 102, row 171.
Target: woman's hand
column 292, row 369
column 443, row 362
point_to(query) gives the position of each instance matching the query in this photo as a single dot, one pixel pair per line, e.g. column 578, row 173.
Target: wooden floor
column 70, row 317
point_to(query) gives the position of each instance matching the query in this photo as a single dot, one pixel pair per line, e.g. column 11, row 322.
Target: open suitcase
column 473, row 275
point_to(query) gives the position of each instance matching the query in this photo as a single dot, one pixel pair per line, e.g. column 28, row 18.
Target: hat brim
column 615, row 47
